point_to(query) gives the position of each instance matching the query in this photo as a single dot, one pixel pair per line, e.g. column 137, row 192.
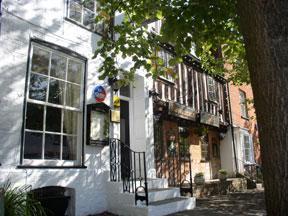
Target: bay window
column 54, row 106
column 247, row 146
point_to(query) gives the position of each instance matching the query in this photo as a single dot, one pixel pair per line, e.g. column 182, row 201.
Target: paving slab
column 245, row 203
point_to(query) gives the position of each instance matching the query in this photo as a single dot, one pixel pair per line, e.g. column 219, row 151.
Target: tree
column 264, row 25
column 204, row 26
column 208, row 26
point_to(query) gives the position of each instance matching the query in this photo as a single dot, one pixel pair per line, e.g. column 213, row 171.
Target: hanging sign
column 181, row 111
column 209, row 119
column 99, row 93
column 116, row 101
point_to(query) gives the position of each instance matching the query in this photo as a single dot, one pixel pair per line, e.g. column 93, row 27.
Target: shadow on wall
column 88, row 185
column 14, row 39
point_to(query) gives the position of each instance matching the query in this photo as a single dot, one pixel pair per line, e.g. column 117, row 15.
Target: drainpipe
column 232, row 128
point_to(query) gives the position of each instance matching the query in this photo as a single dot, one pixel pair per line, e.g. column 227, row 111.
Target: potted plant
column 201, row 131
column 199, row 178
column 222, row 174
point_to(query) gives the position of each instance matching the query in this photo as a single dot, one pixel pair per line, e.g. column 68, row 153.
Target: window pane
column 52, row 146
column 53, row 119
column 88, row 19
column 40, row 60
column 89, row 4
column 34, row 116
column 58, row 66
column 125, row 91
column 242, row 97
column 56, row 91
column 70, row 122
column 73, row 95
column 74, row 72
column 69, row 148
column 75, row 12
column 33, row 145
column 38, row 87
column 100, row 26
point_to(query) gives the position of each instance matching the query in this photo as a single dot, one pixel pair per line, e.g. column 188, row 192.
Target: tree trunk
column 265, row 27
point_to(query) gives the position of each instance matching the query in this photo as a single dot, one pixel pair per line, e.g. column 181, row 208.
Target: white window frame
column 166, row 56
column 156, row 27
column 211, row 83
column 250, row 150
column 82, row 16
column 80, row 110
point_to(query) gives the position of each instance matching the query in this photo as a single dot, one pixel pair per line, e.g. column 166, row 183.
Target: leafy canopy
column 207, row 26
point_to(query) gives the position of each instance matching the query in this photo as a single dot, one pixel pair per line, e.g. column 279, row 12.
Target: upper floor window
column 243, row 104
column 125, row 91
column 166, row 57
column 212, row 89
column 84, row 13
column 54, row 106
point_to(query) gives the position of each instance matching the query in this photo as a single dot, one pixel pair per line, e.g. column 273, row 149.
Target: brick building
column 245, row 132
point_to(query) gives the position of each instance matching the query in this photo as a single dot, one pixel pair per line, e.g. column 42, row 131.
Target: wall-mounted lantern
column 113, row 82
column 154, row 95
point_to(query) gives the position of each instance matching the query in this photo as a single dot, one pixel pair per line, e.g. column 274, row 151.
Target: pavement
column 237, row 204
column 244, row 203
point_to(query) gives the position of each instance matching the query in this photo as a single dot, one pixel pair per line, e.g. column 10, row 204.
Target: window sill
column 163, row 79
column 246, row 118
column 82, row 26
column 204, row 161
column 211, row 101
column 50, row 167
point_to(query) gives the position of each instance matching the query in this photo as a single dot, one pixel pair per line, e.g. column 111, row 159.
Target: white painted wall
column 22, row 20
column 226, row 153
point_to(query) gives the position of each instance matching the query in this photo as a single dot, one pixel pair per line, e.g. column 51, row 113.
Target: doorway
column 124, row 122
column 125, row 139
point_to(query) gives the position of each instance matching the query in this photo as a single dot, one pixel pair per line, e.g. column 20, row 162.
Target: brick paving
column 246, row 203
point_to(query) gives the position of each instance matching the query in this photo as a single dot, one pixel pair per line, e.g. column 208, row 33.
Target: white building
column 48, row 78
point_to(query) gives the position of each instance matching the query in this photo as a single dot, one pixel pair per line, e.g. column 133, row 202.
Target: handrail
column 129, row 167
column 251, row 170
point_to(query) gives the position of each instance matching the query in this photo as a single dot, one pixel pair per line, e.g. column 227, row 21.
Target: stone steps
column 162, row 200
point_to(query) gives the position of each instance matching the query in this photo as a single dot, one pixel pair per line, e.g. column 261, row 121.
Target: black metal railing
column 176, row 167
column 254, row 172
column 129, row 167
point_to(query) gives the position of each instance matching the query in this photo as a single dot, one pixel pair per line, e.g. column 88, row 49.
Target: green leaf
column 159, row 15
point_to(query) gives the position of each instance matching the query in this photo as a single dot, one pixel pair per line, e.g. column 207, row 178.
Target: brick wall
column 209, row 168
column 238, row 121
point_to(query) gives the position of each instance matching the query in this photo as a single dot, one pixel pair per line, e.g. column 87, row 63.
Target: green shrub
column 19, row 201
column 200, row 174
column 222, row 171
